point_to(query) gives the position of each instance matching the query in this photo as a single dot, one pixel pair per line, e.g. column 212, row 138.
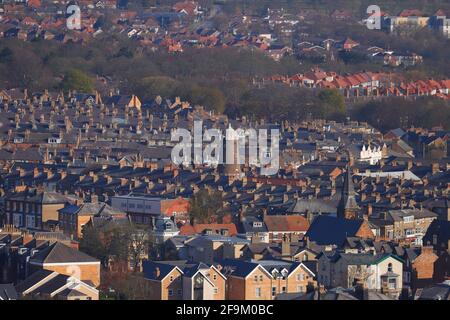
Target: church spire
column 348, row 207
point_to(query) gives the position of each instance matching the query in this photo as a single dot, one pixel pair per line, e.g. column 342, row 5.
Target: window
column 260, row 278
column 258, row 292
column 300, row 277
column 170, row 292
column 283, row 289
column 390, row 267
column 216, row 290
column 300, row 289
column 30, row 221
column 171, row 278
column 274, row 291
column 392, row 283
column 256, row 278
column 214, row 277
column 17, row 220
column 408, row 219
column 180, row 292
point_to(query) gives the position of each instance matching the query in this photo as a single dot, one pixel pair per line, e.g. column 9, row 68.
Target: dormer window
column 257, row 224
column 408, row 219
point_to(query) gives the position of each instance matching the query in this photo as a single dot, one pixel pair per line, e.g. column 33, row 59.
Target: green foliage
column 149, row 88
column 279, row 102
column 120, row 243
column 92, row 244
column 392, row 113
column 351, row 57
column 77, row 80
column 333, row 103
column 204, row 206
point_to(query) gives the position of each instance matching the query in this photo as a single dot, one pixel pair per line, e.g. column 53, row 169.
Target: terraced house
column 34, row 209
column 265, row 279
column 180, row 280
column 376, row 272
column 408, row 225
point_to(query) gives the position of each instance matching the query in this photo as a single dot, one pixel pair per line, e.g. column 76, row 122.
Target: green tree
column 204, row 206
column 150, row 87
column 332, row 103
column 75, row 79
column 92, row 244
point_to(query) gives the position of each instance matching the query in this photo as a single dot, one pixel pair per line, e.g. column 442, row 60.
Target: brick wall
column 173, row 282
column 365, row 231
column 220, row 284
column 423, row 268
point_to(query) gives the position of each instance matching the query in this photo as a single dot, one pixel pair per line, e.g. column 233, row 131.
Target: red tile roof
column 292, row 223
column 216, row 228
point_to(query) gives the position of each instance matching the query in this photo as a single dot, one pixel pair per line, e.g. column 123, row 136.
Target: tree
column 92, row 244
column 26, row 69
column 77, row 80
column 204, row 206
column 333, row 103
column 398, row 112
column 120, row 243
column 150, row 87
column 138, row 245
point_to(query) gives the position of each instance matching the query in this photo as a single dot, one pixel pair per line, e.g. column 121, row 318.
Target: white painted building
column 370, row 153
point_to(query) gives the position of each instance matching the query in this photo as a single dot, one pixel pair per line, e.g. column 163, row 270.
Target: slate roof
column 32, row 280
column 314, row 206
column 441, row 228
column 327, row 230
column 359, row 258
column 436, row 292
column 398, row 215
column 165, row 267
column 238, row 268
column 247, row 225
column 150, row 268
column 40, row 197
column 8, row 292
column 60, row 253
column 90, row 209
